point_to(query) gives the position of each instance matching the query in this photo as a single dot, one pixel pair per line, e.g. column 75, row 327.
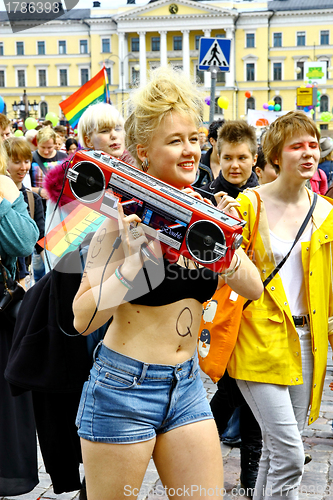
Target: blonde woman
column 145, row 397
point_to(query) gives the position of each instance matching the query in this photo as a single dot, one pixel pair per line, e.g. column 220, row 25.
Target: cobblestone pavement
column 317, row 481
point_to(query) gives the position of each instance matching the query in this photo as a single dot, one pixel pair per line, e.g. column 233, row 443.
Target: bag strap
column 36, row 158
column 299, row 234
column 249, row 249
column 31, row 202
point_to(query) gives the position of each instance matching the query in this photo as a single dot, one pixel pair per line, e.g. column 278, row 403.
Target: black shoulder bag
column 13, row 294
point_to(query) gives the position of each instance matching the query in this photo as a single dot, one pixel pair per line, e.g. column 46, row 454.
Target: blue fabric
column 128, row 401
column 18, row 232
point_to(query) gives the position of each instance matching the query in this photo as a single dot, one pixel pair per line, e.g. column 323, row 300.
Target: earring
column 145, row 165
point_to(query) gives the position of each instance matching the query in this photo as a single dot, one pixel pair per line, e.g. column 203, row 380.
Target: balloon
column 18, row 133
column 30, row 123
column 326, row 116
column 223, row 102
column 312, row 111
column 52, row 117
column 265, row 106
column 318, row 93
column 2, row 104
column 248, row 94
column 277, row 107
column 271, row 102
column 75, row 131
column 207, row 100
column 270, row 107
column 306, row 109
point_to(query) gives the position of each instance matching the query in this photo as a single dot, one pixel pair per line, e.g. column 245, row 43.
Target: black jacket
column 221, row 184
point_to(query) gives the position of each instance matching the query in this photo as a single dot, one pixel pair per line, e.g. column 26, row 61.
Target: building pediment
column 173, row 9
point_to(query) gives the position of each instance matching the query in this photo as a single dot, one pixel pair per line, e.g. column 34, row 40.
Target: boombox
column 185, row 225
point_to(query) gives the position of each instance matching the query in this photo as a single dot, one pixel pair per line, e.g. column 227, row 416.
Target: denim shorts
column 128, row 401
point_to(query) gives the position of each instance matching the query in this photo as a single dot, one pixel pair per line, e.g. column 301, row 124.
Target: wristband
column 39, row 191
column 227, row 274
column 122, row 279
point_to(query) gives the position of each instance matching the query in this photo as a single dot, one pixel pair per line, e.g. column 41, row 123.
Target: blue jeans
column 38, row 268
column 128, row 401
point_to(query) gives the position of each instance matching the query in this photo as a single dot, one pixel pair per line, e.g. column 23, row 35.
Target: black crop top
column 179, row 283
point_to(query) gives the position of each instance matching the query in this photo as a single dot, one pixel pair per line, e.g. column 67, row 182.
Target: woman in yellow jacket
column 280, row 356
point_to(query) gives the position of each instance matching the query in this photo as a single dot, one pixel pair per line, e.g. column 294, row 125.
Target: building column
column 143, row 58
column 163, row 48
column 207, row 80
column 186, row 51
column 121, row 52
column 230, row 76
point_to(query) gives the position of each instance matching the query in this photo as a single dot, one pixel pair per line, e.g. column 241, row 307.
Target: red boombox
column 185, row 226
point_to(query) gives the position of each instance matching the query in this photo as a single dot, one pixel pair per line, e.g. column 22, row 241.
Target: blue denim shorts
column 128, row 401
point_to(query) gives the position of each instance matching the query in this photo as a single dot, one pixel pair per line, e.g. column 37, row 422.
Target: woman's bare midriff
column 157, row 335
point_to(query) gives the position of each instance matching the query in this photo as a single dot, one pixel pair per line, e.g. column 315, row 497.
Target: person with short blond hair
column 5, row 127
column 101, row 127
column 44, row 158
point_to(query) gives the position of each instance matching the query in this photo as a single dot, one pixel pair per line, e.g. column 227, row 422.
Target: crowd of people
column 139, row 316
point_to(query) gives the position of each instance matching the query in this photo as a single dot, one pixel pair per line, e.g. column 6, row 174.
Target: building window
column 2, row 78
column 135, row 44
column 277, row 99
column 250, row 41
column 20, row 48
column 300, row 39
column 250, row 72
column 1, row 49
column 62, row 46
column 43, row 109
column 220, row 77
column 277, row 39
column 63, row 78
column 323, row 126
column 177, row 43
column 323, row 103
column 197, row 41
column 250, row 103
column 135, row 76
column 84, row 75
column 106, row 46
column 325, row 37
column 21, row 78
column 155, row 43
column 277, row 71
column 218, row 110
column 41, row 48
column 200, row 75
column 300, row 70
column 83, row 46
column 108, row 72
column 42, row 77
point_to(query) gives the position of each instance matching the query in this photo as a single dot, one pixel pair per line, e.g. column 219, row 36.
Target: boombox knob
column 238, row 239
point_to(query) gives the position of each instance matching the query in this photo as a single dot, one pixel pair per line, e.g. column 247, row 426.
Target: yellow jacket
column 268, row 349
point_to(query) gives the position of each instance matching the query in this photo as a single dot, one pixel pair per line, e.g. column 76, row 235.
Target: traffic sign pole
column 213, row 72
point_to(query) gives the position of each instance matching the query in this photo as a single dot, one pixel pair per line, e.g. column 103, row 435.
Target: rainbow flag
column 68, row 235
column 92, row 92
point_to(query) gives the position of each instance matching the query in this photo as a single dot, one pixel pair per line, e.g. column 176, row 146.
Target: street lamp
column 25, row 107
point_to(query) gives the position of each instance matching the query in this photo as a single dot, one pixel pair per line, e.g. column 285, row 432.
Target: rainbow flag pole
column 92, row 92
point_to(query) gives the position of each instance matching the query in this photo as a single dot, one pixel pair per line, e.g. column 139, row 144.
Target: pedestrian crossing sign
column 214, row 52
